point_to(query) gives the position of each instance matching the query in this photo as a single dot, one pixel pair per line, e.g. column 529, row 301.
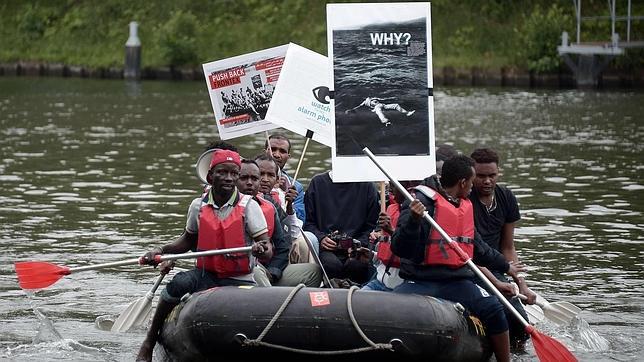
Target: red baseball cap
column 221, row 156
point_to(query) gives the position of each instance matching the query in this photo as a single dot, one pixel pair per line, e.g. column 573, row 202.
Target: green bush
column 33, row 22
column 540, row 36
column 178, row 39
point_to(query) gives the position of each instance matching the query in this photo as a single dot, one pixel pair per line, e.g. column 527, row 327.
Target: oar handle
column 198, row 254
column 450, row 242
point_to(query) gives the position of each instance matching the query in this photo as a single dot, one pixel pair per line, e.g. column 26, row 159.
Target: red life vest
column 385, row 255
column 269, row 213
column 215, row 233
column 457, row 222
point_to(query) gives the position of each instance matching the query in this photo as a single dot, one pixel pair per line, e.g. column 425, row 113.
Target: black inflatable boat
column 243, row 323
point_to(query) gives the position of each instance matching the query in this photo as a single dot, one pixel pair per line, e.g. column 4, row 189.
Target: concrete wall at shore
column 447, row 76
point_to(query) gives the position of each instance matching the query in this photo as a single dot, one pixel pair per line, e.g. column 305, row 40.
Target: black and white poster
column 382, row 83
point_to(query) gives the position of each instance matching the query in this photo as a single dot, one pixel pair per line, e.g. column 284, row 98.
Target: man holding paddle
column 222, row 218
column 430, row 267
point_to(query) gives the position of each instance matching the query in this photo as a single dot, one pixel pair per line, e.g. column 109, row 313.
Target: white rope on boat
column 258, row 341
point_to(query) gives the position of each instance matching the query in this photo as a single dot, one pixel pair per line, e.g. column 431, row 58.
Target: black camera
column 342, row 240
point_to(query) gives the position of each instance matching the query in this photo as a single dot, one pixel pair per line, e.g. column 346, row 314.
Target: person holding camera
column 340, row 216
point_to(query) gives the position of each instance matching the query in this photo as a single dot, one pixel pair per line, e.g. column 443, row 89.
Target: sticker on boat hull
column 319, row 299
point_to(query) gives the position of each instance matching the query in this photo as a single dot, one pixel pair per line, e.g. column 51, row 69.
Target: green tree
column 540, row 35
column 178, row 39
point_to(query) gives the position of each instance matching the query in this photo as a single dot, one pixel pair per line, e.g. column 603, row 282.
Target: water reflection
column 93, row 172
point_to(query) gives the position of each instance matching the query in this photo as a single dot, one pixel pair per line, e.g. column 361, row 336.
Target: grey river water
column 97, row 171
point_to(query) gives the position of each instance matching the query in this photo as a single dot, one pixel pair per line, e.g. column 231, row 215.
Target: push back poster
column 382, row 83
column 241, row 89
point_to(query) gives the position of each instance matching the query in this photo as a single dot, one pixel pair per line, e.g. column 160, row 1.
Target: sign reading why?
column 381, row 78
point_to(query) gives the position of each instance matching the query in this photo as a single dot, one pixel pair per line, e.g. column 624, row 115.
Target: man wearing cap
column 222, row 218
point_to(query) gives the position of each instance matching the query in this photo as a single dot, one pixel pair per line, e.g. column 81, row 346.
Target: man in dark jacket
column 430, row 267
column 349, row 209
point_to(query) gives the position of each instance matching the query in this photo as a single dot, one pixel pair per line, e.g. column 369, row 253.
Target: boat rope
column 279, row 312
column 357, row 327
column 245, row 341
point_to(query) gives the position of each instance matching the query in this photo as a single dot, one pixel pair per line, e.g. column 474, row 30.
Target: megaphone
column 203, row 165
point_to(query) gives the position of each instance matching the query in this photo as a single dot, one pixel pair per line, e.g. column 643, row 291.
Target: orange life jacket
column 269, row 213
column 457, row 222
column 385, row 255
column 215, row 233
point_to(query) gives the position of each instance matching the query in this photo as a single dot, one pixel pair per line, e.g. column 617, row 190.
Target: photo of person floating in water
column 381, row 86
column 377, row 107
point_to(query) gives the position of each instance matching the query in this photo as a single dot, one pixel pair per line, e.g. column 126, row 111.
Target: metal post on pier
column 133, row 54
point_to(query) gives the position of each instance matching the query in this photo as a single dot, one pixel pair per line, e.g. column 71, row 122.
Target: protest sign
column 382, row 81
column 241, row 89
column 301, row 99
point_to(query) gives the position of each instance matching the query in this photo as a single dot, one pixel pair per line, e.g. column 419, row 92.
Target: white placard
column 381, row 75
column 241, row 89
column 301, row 100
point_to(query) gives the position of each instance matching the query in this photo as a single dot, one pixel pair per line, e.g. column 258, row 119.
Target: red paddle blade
column 549, row 349
column 38, row 274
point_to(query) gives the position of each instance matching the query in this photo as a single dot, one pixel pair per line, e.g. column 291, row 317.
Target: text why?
column 390, row 38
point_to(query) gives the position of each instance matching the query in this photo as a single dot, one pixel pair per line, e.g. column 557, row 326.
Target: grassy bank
column 466, row 33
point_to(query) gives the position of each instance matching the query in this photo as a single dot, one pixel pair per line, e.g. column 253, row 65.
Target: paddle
column 138, row 312
column 40, row 274
column 561, row 312
column 535, row 314
column 547, row 348
column 316, row 258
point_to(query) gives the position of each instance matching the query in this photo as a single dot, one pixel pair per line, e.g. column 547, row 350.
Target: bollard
column 133, row 54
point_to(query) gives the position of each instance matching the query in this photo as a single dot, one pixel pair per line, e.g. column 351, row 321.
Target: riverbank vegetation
column 467, row 33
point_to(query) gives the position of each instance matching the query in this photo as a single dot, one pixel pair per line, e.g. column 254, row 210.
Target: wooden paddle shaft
column 299, row 164
column 450, row 242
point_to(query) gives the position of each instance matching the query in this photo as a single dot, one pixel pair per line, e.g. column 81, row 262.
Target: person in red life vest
column 275, row 270
column 222, row 219
column 430, row 267
column 387, row 264
column 496, row 211
column 269, row 169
